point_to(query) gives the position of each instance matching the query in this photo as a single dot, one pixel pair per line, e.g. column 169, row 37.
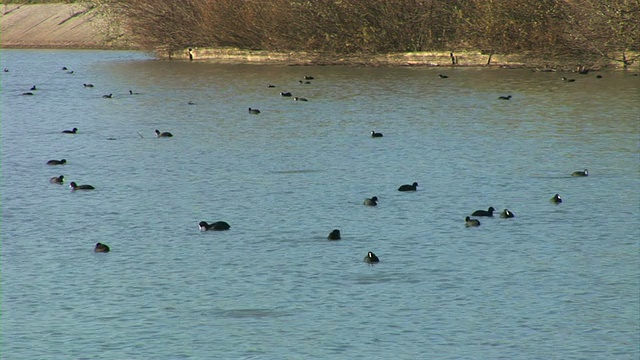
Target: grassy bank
column 583, row 32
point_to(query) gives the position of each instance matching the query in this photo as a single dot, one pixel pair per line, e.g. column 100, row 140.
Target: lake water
column 555, row 282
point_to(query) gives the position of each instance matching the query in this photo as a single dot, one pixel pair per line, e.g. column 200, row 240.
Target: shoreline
column 74, row 26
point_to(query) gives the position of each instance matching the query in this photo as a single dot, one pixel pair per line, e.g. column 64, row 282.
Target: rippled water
column 555, row 282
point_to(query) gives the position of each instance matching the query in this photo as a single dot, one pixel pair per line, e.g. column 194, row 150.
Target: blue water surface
column 555, row 282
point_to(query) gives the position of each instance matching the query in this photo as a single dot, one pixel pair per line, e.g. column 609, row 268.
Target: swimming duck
column 33, row 88
column 133, row 93
column 376, row 134
column 508, row 97
column 469, row 222
column 57, row 179
column 443, row 76
column 407, row 187
column 75, row 186
column 506, row 214
column 285, row 93
column 163, row 134
column 488, row 212
column 299, row 99
column 27, row 93
column 309, row 77
column 270, row 86
column 87, row 85
column 107, row 96
column 334, row 235
column 57, row 162
column 371, row 201
column 100, row 247
column 6, row 70
column 72, row 131
column 304, row 82
column 371, row 258
column 254, row 111
column 580, row 173
column 556, row 199
column 216, row 226
column 568, row 80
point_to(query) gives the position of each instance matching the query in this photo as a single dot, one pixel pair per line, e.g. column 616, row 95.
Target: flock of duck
column 506, row 213
column 370, row 258
column 100, row 247
column 469, row 222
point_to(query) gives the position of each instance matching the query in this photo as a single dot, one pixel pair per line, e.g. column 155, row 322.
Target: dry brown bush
column 367, row 27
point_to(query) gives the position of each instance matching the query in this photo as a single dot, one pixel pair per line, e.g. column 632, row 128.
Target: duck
column 469, row 222
column 407, row 187
column 300, row 99
column 304, row 82
column 371, row 258
column 75, row 186
column 285, row 93
column 508, row 97
column 33, row 88
column 443, row 76
column 334, row 235
column 72, row 131
column 64, row 68
column 506, row 214
column 488, row 212
column 57, row 162
column 254, row 111
column 163, row 134
column 107, row 96
column 57, row 179
column 371, row 201
column 568, row 80
column 580, row 173
column 70, row 72
column 270, row 86
column 216, row 226
column 376, row 134
column 27, row 93
column 6, row 70
column 556, row 199
column 87, row 85
column 306, row 77
column 133, row 93
column 191, row 103
column 100, row 247
column 598, row 76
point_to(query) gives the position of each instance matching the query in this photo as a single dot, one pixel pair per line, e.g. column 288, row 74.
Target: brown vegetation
column 584, row 30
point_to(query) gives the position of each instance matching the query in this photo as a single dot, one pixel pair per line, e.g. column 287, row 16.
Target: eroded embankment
column 56, row 26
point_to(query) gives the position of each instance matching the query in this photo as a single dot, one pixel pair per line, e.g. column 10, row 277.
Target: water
column 555, row 282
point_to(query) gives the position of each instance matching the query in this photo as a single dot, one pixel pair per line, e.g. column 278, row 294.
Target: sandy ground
column 53, row 26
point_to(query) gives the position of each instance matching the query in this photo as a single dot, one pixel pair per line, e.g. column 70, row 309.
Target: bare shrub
column 367, row 27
